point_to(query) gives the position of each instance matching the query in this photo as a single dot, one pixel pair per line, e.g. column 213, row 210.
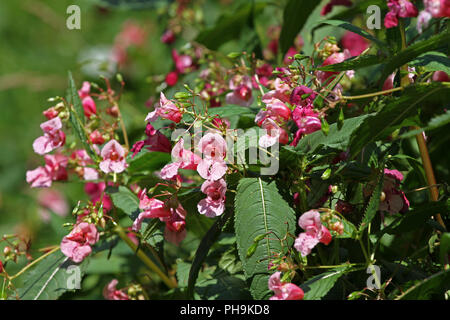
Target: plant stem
column 424, row 154
column 374, row 94
column 144, row 258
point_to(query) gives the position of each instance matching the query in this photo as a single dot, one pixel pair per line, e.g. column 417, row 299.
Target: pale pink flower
column 281, row 92
column 182, row 62
column 39, row 178
column 395, row 200
column 337, row 57
column 175, row 230
column 77, row 244
column 111, row 293
column 275, row 110
column 242, row 92
column 53, row 137
column 166, row 110
column 83, row 160
column 153, row 208
column 307, row 121
column 213, row 147
column 284, row 290
column 113, row 156
column 315, row 232
column 214, row 204
column 54, row 201
column 182, row 159
column 423, row 20
column 274, row 134
column 54, row 170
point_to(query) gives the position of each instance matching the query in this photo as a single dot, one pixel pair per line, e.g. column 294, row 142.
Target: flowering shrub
column 280, row 172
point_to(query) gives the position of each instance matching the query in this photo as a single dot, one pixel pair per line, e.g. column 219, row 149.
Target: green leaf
column 124, row 199
column 395, row 112
column 354, row 63
column 259, row 209
column 229, row 26
column 52, row 277
column 357, row 8
column 374, row 201
column 413, row 51
column 444, row 248
column 317, row 287
column 350, row 27
column 203, row 249
column 295, row 15
column 76, row 112
column 147, row 161
column 432, row 61
column 337, row 139
column 436, row 284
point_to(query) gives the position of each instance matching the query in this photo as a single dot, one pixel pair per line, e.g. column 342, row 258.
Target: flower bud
column 383, row 196
column 113, row 111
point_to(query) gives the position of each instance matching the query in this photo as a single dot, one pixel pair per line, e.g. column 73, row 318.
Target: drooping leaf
column 260, row 209
column 423, row 290
column 433, row 61
column 51, row 277
column 395, row 112
column 317, row 287
column 295, row 15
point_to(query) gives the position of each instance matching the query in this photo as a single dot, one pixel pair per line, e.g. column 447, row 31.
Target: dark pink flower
column 314, row 233
column 111, row 293
column 395, row 200
column 399, row 8
column 275, row 110
column 175, row 230
column 284, row 290
column 53, row 137
column 96, row 193
column 329, row 6
column 113, row 156
column 242, row 92
column 302, row 96
column 166, row 110
column 337, row 57
column 77, row 244
column 214, row 204
column 441, row 76
column 155, row 141
column 168, row 37
column 354, row 43
column 96, row 137
column 153, row 208
column 50, row 113
column 171, row 78
column 307, row 121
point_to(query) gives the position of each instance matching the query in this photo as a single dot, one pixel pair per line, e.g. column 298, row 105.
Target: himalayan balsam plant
column 282, row 172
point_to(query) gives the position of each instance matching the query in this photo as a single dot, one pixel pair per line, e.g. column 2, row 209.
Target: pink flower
column 53, row 137
column 354, row 43
column 171, row 78
column 153, row 208
column 111, row 293
column 399, row 8
column 281, row 92
column 423, row 20
column 96, row 193
column 395, row 200
column 54, row 201
column 307, row 121
column 275, row 110
column 182, row 159
column 113, row 158
column 54, row 170
column 284, row 290
column 85, row 90
column 83, row 160
column 337, row 57
column 302, row 96
column 175, row 230
column 155, row 141
column 329, row 6
column 182, row 62
column 96, row 137
column 214, row 204
column 242, row 92
column 166, row 110
column 292, row 51
column 77, row 244
column 437, row 8
column 213, row 147
column 441, row 76
column 88, row 103
column 50, row 113
column 168, row 37
column 273, row 134
column 314, row 233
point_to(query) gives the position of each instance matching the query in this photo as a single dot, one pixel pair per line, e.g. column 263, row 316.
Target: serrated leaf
column 259, row 208
column 337, row 139
column 433, row 61
column 124, row 199
column 295, row 15
column 52, row 277
column 374, row 201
